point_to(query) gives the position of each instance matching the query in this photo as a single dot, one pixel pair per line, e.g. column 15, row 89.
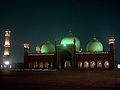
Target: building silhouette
column 68, row 55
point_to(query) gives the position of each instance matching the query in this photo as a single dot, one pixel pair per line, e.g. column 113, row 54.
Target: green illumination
column 94, row 46
column 69, row 39
column 48, row 47
column 64, row 45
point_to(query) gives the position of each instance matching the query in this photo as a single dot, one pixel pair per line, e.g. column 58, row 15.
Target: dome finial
column 70, row 30
column 94, row 37
column 70, row 33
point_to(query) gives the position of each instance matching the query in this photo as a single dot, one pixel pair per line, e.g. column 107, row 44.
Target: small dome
column 94, row 46
column 48, row 47
column 69, row 39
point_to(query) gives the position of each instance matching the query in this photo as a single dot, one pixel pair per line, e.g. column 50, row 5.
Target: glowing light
column 6, row 53
column 7, row 62
column 1, row 66
column 7, row 43
column 118, row 66
column 4, row 66
column 107, row 63
column 10, row 66
column 7, row 33
column 111, row 40
column 64, row 45
column 26, row 46
column 80, row 50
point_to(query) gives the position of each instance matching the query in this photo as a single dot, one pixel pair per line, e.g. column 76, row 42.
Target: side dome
column 48, row 47
column 69, row 39
column 94, row 46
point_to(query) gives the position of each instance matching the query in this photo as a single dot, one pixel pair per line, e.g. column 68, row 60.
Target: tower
column 112, row 51
column 6, row 53
column 26, row 47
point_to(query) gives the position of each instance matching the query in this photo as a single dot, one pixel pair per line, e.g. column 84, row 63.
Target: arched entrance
column 99, row 64
column 66, row 59
column 86, row 64
column 106, row 64
column 92, row 64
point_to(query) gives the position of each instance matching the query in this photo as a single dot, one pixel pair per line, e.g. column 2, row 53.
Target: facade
column 6, row 54
column 68, row 55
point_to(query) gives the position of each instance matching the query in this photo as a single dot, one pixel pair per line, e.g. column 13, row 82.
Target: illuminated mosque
column 68, row 55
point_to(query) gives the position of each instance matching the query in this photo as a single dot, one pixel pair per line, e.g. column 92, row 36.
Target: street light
column 118, row 66
column 6, row 62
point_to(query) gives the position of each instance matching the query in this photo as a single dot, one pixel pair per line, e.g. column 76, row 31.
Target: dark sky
column 36, row 21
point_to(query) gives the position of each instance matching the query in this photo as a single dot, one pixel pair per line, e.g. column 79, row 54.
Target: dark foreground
column 65, row 80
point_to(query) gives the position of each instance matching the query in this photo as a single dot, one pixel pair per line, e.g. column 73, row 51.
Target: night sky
column 36, row 21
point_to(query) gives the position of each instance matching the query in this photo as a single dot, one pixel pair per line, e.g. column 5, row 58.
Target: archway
column 106, row 64
column 92, row 64
column 99, row 64
column 66, row 59
column 86, row 64
column 30, row 65
column 35, row 64
column 46, row 65
column 79, row 64
column 40, row 64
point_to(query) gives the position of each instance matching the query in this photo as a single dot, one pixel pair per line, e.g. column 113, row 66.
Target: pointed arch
column 106, row 64
column 86, row 64
column 30, row 65
column 79, row 64
column 35, row 64
column 92, row 64
column 40, row 64
column 99, row 64
column 67, row 64
column 46, row 65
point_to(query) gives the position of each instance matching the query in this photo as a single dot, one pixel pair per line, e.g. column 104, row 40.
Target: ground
column 61, row 80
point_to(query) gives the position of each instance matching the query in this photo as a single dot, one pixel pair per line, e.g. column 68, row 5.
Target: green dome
column 94, row 46
column 69, row 39
column 48, row 47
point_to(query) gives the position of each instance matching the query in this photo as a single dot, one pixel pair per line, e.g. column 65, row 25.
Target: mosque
column 68, row 55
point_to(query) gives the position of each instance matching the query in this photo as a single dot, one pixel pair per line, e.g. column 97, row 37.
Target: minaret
column 6, row 53
column 112, row 52
column 26, row 48
column 74, row 63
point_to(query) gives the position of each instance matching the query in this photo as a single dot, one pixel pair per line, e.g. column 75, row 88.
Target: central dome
column 69, row 39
